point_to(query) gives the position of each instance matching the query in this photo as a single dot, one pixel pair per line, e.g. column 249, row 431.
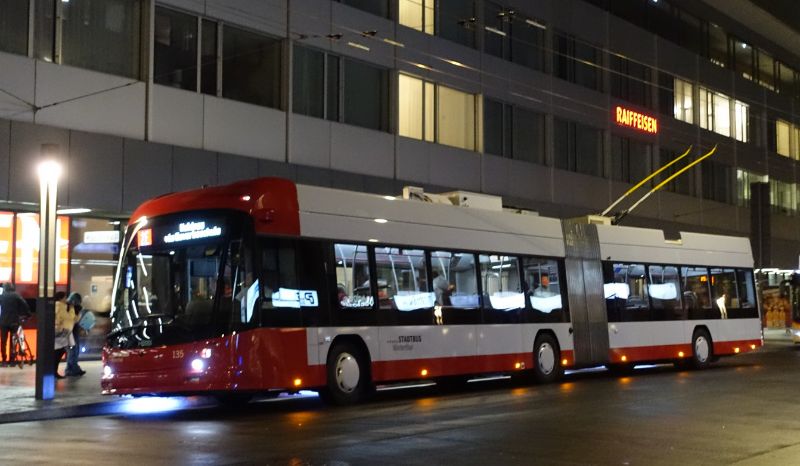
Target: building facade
column 556, row 105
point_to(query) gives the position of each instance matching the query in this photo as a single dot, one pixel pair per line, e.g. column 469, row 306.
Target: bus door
column 585, row 292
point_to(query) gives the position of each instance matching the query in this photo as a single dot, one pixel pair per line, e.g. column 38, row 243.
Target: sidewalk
column 74, row 396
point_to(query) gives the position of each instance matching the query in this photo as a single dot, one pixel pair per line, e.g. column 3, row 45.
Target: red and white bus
column 264, row 286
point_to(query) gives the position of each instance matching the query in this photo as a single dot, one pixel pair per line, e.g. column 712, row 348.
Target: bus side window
column 503, row 297
column 696, row 295
column 455, row 286
column 402, row 279
column 543, row 287
column 664, row 289
column 280, row 297
column 625, row 289
column 725, row 293
column 747, row 295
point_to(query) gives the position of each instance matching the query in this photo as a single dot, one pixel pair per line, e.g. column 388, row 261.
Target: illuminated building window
column 683, row 109
column 417, row 14
column 787, row 139
column 715, row 112
column 436, row 113
column 741, row 121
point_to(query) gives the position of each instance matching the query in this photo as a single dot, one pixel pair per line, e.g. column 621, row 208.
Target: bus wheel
column 702, row 349
column 546, row 359
column 347, row 375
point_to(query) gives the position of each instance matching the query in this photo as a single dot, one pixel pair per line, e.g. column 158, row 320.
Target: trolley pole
column 49, row 172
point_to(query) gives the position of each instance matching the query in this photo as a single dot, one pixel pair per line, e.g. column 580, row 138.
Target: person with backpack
column 81, row 318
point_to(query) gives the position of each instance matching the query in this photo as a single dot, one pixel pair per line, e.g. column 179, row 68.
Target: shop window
column 417, row 14
column 455, row 287
column 664, row 289
column 503, row 296
column 175, row 48
column 543, row 286
column 626, row 293
column 436, row 113
column 6, row 246
column 26, row 250
column 14, row 26
column 251, row 67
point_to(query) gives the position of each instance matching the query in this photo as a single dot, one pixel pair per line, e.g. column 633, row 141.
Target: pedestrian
column 13, row 310
column 65, row 321
column 73, row 368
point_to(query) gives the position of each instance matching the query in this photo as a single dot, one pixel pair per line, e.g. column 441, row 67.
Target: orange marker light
column 298, row 382
column 564, row 362
column 736, row 350
column 624, row 358
column 680, row 354
column 752, row 347
column 518, row 365
column 424, row 372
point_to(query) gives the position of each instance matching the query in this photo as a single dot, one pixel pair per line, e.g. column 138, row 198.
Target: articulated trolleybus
column 265, row 286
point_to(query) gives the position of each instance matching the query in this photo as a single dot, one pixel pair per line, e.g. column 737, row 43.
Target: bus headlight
column 107, row 372
column 198, row 365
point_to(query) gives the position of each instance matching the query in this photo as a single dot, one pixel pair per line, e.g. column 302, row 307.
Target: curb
column 62, row 412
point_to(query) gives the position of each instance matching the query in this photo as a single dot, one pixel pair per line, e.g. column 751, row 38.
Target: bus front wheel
column 348, row 375
column 702, row 349
column 546, row 359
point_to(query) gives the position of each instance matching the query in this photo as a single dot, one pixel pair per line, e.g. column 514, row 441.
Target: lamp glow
column 49, row 171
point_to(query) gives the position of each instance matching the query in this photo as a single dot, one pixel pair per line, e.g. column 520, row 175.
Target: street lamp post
column 49, row 172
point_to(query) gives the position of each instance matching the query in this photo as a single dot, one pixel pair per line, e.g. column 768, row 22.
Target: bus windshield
column 168, row 281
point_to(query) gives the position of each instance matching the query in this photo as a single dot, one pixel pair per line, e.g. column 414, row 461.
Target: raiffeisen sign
column 636, row 120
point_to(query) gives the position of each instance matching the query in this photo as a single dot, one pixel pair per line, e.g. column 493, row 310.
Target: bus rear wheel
column 546, row 359
column 702, row 349
column 348, row 375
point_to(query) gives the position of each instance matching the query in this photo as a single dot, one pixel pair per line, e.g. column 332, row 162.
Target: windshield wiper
column 141, row 324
